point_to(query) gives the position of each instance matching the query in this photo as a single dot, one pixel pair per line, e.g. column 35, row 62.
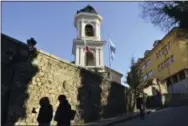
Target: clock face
column 89, row 31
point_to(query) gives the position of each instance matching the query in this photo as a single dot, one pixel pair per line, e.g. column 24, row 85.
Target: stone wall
column 28, row 78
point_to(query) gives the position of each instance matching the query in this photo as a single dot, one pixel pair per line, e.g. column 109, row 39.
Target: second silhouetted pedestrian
column 45, row 113
column 63, row 112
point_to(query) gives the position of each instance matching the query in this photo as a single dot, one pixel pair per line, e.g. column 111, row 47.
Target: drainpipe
column 168, row 68
column 172, row 89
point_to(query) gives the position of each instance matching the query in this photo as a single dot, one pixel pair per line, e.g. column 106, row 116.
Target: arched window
column 89, row 31
column 90, row 59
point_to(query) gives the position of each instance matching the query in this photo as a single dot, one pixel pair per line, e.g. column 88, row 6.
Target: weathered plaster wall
column 91, row 95
column 115, row 76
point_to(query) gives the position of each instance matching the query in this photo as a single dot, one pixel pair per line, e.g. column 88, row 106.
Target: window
column 174, row 79
column 157, row 54
column 165, row 63
column 149, row 62
column 168, row 46
column 89, row 31
column 168, row 82
column 178, row 35
column 145, row 77
column 182, row 75
column 165, row 50
column 140, row 71
column 171, row 59
column 150, row 73
column 146, row 64
column 159, row 67
column 161, row 52
column 143, row 67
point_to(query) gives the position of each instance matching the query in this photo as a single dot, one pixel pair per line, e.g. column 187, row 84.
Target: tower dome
column 87, row 9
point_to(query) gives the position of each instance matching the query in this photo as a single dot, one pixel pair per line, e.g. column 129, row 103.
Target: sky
column 51, row 24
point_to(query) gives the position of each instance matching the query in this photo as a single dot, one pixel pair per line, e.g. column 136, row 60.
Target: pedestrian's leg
column 142, row 114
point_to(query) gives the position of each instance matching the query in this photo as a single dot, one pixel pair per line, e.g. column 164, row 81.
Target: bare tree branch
column 166, row 15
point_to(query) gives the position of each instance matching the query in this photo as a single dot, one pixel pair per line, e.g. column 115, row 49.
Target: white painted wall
column 82, row 57
column 162, row 87
column 114, row 75
column 77, row 56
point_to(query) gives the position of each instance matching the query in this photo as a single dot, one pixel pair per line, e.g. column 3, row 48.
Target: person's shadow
column 64, row 114
column 45, row 113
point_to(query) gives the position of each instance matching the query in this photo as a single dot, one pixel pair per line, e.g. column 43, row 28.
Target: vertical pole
column 168, row 66
column 109, row 57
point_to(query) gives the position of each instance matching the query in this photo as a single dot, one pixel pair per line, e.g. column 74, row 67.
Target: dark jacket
column 45, row 114
column 63, row 113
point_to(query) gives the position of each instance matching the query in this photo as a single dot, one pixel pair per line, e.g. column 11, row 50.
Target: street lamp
column 31, row 44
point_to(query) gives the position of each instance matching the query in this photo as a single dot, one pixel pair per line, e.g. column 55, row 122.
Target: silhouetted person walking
column 45, row 113
column 142, row 111
column 63, row 113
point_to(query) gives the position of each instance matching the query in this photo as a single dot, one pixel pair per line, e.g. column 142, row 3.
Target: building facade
column 168, row 61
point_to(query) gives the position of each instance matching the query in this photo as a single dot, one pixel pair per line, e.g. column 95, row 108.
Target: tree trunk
column 134, row 101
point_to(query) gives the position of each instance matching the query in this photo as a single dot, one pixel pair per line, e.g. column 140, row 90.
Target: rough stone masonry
column 26, row 80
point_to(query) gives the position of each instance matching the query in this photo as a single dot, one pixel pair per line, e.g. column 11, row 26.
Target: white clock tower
column 87, row 22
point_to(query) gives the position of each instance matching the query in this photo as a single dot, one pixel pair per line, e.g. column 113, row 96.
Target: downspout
column 168, row 67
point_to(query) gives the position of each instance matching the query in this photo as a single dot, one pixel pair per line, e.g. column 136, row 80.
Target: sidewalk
column 112, row 121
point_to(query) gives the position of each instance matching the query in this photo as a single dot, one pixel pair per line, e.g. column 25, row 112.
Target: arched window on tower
column 89, row 31
column 90, row 59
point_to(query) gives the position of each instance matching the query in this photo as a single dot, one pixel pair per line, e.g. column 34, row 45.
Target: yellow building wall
column 183, row 45
column 178, row 48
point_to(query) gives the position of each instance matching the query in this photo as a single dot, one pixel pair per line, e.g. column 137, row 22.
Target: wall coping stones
column 56, row 58
column 50, row 55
